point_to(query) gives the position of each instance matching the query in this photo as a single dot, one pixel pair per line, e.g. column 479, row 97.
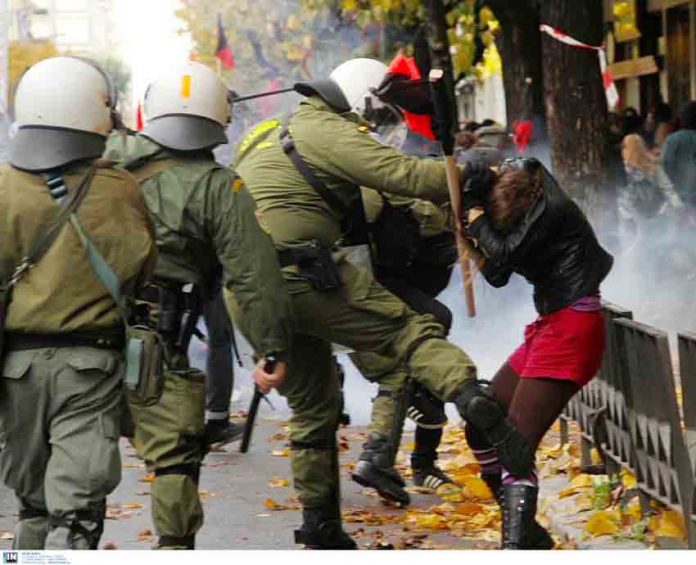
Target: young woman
column 531, row 227
column 649, row 190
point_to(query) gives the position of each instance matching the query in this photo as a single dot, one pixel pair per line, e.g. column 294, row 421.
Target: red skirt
column 566, row 345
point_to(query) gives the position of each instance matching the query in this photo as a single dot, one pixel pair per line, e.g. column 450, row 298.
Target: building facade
column 652, row 47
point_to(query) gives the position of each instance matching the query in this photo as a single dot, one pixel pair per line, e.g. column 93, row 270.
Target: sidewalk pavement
column 249, row 504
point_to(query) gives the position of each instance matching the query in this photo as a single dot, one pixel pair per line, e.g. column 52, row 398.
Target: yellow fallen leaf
column 450, row 493
column 477, row 488
column 668, row 524
column 628, row 479
column 271, row 504
column 132, row 506
column 582, row 480
column 584, row 502
column 633, row 511
column 281, row 452
column 551, row 452
column 276, row 482
column 431, row 522
column 602, row 523
column 469, row 509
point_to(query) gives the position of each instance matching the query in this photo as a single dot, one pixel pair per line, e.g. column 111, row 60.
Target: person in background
column 484, row 147
column 679, row 156
column 219, row 383
column 649, row 191
column 664, row 126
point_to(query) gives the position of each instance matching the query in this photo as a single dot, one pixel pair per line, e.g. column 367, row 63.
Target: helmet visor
column 388, row 123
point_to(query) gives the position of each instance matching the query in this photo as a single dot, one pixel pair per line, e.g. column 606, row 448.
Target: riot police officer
column 206, row 227
column 61, row 385
column 304, row 172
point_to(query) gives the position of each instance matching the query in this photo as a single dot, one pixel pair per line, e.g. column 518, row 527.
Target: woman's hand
column 474, row 214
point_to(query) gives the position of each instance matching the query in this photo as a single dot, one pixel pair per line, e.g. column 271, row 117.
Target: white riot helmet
column 350, row 87
column 63, row 110
column 187, row 109
column 359, row 79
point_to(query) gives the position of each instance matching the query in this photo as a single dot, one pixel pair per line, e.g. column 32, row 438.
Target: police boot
column 322, row 529
column 483, row 411
column 222, row 432
column 520, row 528
column 375, row 469
column 538, row 537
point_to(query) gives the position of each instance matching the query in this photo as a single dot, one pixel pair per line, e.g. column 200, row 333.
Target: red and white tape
column 609, row 85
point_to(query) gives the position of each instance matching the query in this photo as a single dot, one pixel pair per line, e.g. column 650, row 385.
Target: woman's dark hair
column 472, row 126
column 631, row 121
column 687, row 117
column 513, row 194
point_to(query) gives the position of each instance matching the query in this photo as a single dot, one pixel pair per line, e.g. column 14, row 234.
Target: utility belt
column 15, row 341
column 314, row 263
column 170, row 310
column 164, row 321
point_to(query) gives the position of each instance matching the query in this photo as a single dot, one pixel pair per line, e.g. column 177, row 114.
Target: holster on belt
column 166, row 320
column 315, row 264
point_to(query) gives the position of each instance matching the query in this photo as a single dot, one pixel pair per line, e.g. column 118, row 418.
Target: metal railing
column 631, row 414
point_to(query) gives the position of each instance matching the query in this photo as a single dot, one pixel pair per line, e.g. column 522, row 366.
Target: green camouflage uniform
column 360, row 314
column 60, row 405
column 204, row 220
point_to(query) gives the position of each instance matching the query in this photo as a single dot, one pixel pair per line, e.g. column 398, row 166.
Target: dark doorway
column 679, row 55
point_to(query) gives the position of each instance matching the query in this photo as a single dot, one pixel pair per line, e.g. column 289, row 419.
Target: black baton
column 269, row 367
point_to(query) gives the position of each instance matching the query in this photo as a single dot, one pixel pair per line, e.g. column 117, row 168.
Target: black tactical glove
column 477, row 182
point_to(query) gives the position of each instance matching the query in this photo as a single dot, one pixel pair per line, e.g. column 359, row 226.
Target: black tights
column 532, row 405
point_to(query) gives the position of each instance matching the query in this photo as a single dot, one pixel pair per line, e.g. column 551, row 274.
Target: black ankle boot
column 376, row 470
column 538, row 537
column 520, row 528
column 322, row 529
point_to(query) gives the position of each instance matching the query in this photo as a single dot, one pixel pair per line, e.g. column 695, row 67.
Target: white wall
column 489, row 101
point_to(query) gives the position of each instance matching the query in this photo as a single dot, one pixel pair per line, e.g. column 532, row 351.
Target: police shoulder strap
column 290, row 149
column 43, row 241
column 56, row 186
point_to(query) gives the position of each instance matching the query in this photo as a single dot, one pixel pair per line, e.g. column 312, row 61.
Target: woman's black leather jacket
column 553, row 247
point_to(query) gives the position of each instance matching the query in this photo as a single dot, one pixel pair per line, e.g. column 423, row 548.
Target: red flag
column 139, row 122
column 224, row 51
column 419, row 123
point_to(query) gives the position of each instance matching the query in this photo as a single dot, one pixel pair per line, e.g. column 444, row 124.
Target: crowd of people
column 114, row 243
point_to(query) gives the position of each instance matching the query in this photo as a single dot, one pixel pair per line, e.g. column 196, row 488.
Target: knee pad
column 476, row 438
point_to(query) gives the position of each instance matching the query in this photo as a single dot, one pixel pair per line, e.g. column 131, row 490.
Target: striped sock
column 488, row 459
column 531, row 480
